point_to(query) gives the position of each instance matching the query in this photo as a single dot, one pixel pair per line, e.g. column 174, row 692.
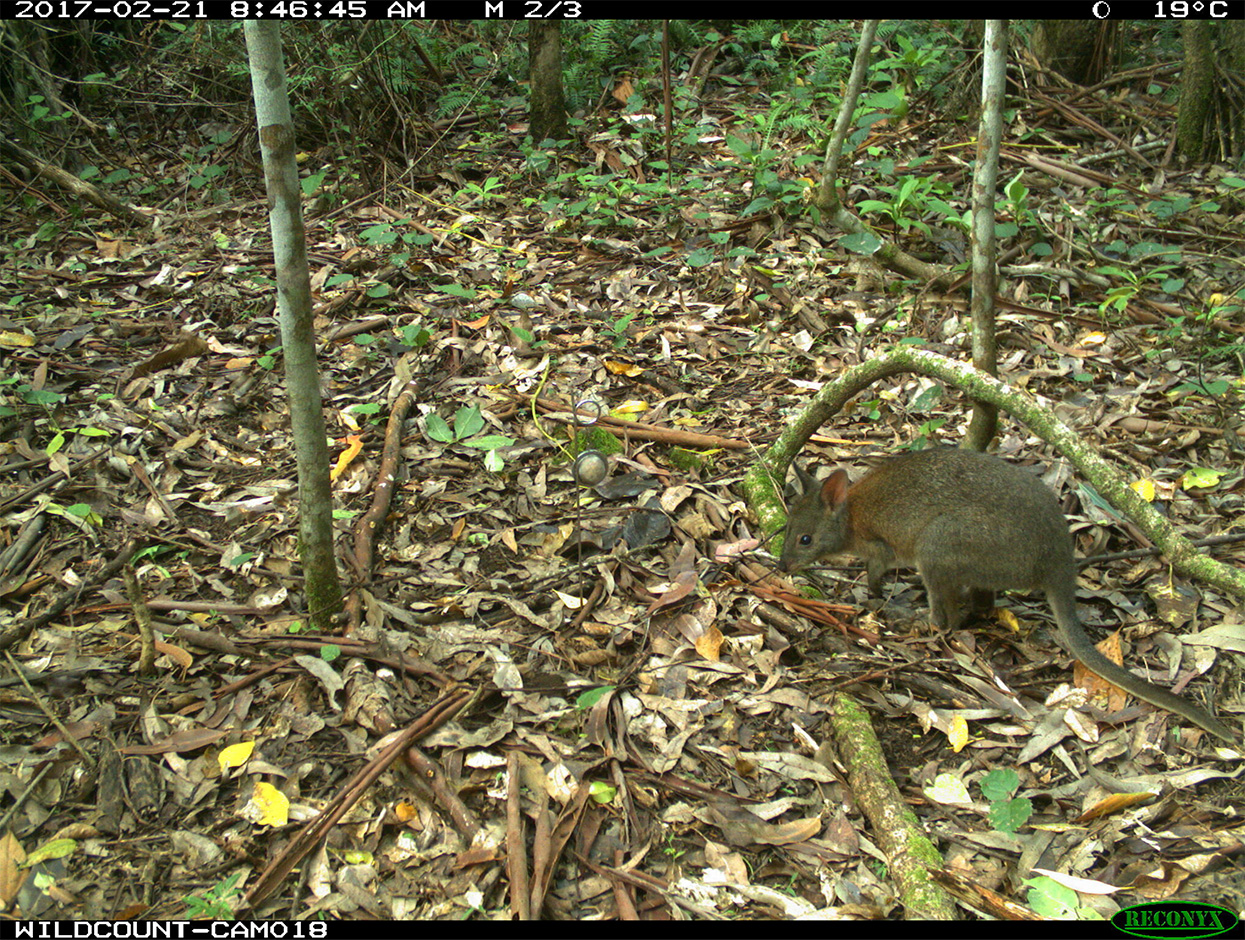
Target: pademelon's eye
column 805, row 539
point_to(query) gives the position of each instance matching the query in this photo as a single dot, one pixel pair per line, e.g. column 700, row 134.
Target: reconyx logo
column 1174, row 919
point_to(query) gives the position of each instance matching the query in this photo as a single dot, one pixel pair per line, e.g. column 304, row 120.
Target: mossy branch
column 909, row 851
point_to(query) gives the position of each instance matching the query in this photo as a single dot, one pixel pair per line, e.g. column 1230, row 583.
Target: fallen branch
column 911, row 856
column 564, row 414
column 297, row 849
column 79, row 188
column 370, row 524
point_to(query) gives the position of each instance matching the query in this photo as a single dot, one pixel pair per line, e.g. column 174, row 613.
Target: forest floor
column 622, row 708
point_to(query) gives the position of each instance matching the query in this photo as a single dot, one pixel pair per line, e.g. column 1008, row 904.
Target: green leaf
column 42, row 396
column 468, row 422
column 586, row 700
column 1198, row 478
column 311, row 183
column 601, row 792
column 1000, row 784
column 489, row 442
column 81, row 510
column 382, row 234
column 415, row 335
column 57, row 848
column 1051, row 899
column 927, row 399
column 1010, row 815
column 862, row 243
column 437, row 429
column 872, row 205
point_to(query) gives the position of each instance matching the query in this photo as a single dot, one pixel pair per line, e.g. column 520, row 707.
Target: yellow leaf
column 618, row 367
column 269, row 806
column 957, row 733
column 235, row 755
column 1143, row 488
column 632, row 407
column 354, row 445
column 10, row 338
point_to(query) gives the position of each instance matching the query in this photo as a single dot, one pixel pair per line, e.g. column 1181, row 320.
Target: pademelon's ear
column 834, row 489
column 807, row 481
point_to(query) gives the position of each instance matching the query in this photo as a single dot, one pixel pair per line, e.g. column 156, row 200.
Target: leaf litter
column 564, row 701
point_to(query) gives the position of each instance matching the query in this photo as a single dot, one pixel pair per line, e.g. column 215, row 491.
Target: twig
column 24, row 629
